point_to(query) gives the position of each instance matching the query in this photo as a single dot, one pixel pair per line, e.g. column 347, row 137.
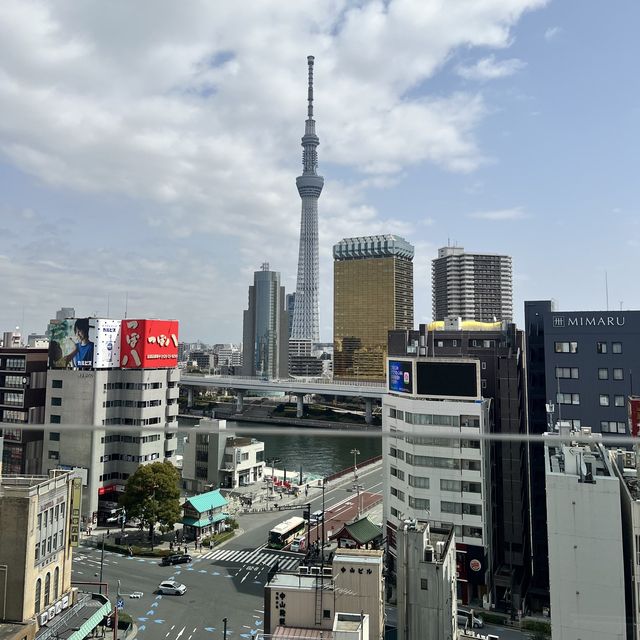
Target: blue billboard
column 400, row 376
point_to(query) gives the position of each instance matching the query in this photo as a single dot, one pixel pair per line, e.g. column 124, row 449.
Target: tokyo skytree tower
column 305, row 312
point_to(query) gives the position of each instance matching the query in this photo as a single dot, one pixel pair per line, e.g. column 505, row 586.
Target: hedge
column 536, row 625
column 217, row 539
column 137, row 551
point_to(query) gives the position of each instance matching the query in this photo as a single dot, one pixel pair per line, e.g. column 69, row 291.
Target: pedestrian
column 130, row 551
column 185, row 549
column 201, row 546
column 108, row 532
column 280, row 496
column 170, row 546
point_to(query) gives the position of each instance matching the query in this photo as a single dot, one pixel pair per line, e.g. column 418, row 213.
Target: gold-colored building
column 372, row 293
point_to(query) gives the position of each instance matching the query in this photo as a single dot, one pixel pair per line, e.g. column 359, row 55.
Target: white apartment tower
column 586, row 575
column 472, row 286
column 435, row 465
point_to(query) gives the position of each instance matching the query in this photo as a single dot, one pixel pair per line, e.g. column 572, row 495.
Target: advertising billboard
column 634, row 416
column 84, row 343
column 149, row 344
column 401, row 376
column 447, row 379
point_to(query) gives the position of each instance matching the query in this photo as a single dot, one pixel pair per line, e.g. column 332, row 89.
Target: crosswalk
column 253, row 556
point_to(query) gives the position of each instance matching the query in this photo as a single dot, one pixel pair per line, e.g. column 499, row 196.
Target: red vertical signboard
column 149, row 344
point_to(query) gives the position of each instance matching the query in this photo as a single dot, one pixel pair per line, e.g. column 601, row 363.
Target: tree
column 152, row 495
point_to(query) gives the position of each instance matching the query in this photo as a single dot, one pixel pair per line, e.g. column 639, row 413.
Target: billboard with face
column 84, row 343
column 149, row 344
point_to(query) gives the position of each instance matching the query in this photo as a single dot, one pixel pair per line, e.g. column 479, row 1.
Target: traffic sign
column 120, row 604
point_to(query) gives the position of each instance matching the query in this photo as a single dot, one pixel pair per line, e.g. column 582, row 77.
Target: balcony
column 173, row 394
column 172, row 410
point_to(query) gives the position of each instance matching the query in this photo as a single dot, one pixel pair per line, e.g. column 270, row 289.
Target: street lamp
column 355, row 454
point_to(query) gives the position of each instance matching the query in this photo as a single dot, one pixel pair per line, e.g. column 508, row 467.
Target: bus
column 285, row 533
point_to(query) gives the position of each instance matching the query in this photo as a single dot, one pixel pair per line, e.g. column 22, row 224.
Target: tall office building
column 580, row 372
column 499, row 346
column 265, row 341
column 305, row 316
column 372, row 294
column 120, row 378
column 472, row 286
column 290, row 304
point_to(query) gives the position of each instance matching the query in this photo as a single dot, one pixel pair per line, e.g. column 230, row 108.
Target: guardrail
column 348, row 470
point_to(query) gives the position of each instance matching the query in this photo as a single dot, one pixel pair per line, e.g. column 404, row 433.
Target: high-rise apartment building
column 436, row 462
column 306, row 323
column 23, row 380
column 265, row 344
column 372, row 294
column 472, row 286
column 119, row 379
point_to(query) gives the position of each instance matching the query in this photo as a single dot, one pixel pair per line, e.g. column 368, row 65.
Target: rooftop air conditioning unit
column 585, row 431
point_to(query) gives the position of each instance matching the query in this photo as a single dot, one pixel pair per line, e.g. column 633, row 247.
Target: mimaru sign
column 588, row 321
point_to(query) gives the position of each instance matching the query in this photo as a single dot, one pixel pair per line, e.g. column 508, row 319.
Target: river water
column 318, row 455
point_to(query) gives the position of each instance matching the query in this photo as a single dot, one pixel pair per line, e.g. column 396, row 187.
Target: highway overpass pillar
column 189, row 397
column 299, row 405
column 368, row 410
column 239, row 400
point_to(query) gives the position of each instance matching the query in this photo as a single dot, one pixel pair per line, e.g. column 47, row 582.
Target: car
column 467, row 620
column 176, row 558
column 172, row 588
column 298, row 544
column 317, row 517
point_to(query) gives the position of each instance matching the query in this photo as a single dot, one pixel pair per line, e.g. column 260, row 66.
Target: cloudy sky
column 149, row 149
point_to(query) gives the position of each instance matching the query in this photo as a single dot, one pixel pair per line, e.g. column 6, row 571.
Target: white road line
column 181, row 632
column 246, row 575
column 224, row 554
column 168, row 632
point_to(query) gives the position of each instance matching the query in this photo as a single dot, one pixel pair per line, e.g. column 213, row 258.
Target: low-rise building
column 39, row 521
column 351, row 581
column 426, row 582
column 204, row 515
column 212, row 458
column 361, row 534
column 584, row 529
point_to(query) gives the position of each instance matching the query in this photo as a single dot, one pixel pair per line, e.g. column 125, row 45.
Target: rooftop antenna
column 310, row 60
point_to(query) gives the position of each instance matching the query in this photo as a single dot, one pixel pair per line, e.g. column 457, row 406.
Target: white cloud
column 490, row 69
column 551, row 33
column 514, row 213
column 193, row 113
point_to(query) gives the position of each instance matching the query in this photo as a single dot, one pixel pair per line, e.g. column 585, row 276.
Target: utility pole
column 101, row 562
column 355, row 453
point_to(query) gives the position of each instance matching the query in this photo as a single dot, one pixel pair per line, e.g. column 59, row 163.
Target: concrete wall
column 585, row 558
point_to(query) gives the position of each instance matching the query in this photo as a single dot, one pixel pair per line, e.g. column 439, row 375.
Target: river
column 318, row 455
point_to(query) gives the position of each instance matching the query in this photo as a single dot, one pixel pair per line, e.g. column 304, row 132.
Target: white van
column 298, row 544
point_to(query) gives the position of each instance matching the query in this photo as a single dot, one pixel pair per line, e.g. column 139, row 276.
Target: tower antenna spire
column 310, row 60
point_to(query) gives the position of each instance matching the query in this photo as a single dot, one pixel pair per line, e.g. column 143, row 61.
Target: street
column 227, row 581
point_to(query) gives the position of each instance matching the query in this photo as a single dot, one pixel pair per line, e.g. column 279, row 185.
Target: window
column 618, row 401
column 484, row 365
column 568, row 398
column 37, row 551
column 55, row 419
column 566, row 347
column 610, row 426
column 419, row 482
column 604, row 400
column 54, row 455
column 567, row 372
column 424, row 584
column 618, row 374
column 616, row 347
column 483, row 384
column 451, row 507
column 40, row 521
column 397, row 493
column 56, row 384
column 56, row 402
column 326, row 613
column 54, row 436
column 419, row 503
column 55, row 541
column 395, row 513
column 38, row 595
column 396, row 473
column 451, row 485
column 56, row 579
column 601, row 347
column 603, row 374
column 47, row 589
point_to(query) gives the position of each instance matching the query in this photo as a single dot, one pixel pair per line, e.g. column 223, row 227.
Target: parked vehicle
column 467, row 620
column 317, row 517
column 176, row 558
column 172, row 588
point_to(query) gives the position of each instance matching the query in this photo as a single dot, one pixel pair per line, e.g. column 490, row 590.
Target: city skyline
column 157, row 164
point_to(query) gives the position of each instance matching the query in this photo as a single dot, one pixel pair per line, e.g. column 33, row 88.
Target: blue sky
column 153, row 154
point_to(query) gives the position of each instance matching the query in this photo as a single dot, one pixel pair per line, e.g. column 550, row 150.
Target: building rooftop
column 362, row 531
column 584, row 460
column 25, row 486
column 382, row 246
column 301, row 633
column 206, row 501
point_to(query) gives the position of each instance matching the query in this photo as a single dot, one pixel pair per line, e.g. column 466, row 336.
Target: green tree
column 152, row 495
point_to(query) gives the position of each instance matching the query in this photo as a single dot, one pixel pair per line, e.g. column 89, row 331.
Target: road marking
column 194, row 629
column 168, row 632
column 181, row 632
column 246, row 575
column 173, row 626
